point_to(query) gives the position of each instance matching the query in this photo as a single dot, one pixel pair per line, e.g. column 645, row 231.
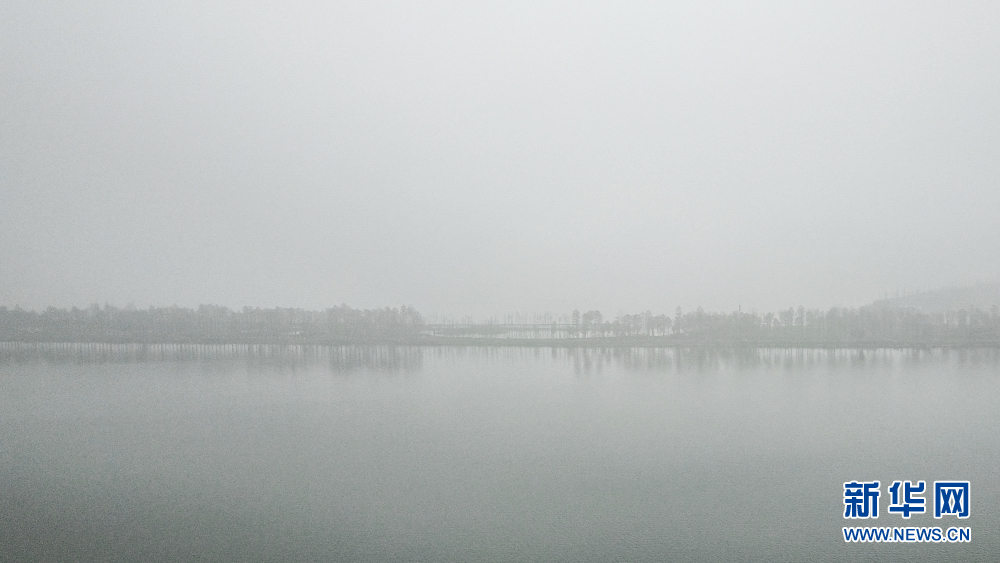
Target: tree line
column 210, row 324
column 838, row 326
column 801, row 326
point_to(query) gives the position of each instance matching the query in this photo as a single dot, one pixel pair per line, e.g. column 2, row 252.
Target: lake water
column 484, row 454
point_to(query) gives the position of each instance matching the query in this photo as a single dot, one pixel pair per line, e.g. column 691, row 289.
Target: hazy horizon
column 981, row 296
column 496, row 157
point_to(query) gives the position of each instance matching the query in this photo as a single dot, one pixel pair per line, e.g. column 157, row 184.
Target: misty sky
column 483, row 157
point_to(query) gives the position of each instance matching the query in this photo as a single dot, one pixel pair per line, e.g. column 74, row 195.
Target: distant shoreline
column 674, row 343
column 864, row 328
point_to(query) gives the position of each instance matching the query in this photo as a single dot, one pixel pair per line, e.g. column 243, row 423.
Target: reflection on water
column 720, row 359
column 390, row 358
column 729, row 359
column 384, row 358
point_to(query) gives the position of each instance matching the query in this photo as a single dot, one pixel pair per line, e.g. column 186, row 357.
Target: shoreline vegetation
column 864, row 327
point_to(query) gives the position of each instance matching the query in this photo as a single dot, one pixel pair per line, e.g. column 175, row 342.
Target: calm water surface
column 474, row 454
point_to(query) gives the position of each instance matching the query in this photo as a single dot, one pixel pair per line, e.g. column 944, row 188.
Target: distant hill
column 981, row 296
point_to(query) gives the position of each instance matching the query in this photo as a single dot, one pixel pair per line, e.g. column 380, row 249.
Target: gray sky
column 484, row 157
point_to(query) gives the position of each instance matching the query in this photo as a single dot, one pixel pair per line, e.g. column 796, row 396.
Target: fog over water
column 496, row 156
column 475, row 267
column 199, row 453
